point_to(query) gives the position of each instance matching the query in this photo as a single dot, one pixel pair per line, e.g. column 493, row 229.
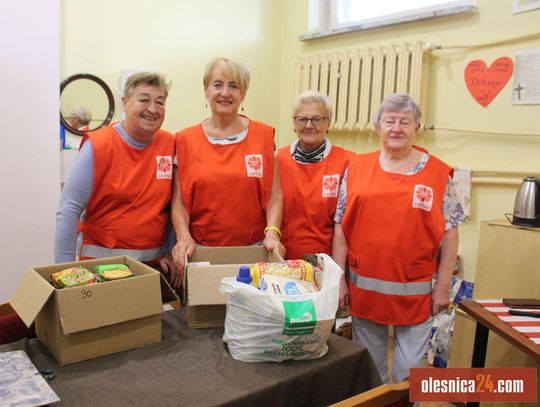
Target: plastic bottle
column 62, row 137
column 244, row 275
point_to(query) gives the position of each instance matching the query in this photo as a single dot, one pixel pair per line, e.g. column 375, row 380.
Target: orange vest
column 131, row 193
column 310, row 193
column 393, row 225
column 226, row 188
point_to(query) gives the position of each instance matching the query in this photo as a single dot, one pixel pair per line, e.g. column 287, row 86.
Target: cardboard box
column 206, row 306
column 85, row 322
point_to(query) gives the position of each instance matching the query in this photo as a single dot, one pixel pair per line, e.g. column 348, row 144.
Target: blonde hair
column 237, row 71
column 313, row 96
column 146, row 78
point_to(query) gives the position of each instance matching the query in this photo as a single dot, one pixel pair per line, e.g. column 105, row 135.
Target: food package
column 110, row 272
column 74, row 276
column 260, row 326
column 299, row 269
column 438, row 350
column 286, row 286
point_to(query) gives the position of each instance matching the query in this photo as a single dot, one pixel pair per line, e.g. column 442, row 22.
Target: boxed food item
column 110, row 272
column 72, row 277
column 83, row 322
column 298, row 269
column 204, row 271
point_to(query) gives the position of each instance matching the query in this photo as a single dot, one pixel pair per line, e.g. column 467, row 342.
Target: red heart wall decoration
column 483, row 83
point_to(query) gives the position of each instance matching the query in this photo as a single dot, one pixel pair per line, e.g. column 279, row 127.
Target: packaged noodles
column 72, row 277
column 110, row 272
column 299, row 269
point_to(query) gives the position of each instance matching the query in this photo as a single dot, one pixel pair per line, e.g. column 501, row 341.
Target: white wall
column 29, row 151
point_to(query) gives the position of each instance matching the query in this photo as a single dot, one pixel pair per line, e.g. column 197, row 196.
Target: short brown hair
column 237, row 71
column 146, row 78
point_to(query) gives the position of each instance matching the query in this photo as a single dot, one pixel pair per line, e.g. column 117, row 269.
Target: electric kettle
column 527, row 204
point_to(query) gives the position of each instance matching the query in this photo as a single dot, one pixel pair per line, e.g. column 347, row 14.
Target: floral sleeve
column 452, row 209
column 342, row 198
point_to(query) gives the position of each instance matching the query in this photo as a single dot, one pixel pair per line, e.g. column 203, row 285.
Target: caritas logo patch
column 330, row 186
column 254, row 165
column 164, row 167
column 422, row 197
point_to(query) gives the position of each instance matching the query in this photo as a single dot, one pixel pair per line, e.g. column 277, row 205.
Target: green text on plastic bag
column 300, row 317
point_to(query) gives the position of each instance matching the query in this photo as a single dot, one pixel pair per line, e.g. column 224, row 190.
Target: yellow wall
column 450, row 104
column 178, row 38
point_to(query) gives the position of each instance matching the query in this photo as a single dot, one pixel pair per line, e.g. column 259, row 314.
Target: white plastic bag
column 260, row 326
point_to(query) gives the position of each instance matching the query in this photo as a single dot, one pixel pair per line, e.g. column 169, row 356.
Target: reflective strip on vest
column 97, row 252
column 389, row 287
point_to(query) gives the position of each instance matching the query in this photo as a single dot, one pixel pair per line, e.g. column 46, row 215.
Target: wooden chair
column 385, row 395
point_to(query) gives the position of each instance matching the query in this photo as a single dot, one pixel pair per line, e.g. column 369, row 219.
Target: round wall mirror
column 86, row 103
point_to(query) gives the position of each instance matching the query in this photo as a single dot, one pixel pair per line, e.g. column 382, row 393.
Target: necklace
column 216, row 130
column 400, row 166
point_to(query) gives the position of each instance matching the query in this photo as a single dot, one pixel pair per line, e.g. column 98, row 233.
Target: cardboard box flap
column 30, row 296
column 167, row 293
column 233, row 255
column 204, row 281
column 89, row 307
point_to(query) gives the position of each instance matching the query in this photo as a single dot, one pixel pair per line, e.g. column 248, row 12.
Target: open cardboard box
column 85, row 322
column 206, row 306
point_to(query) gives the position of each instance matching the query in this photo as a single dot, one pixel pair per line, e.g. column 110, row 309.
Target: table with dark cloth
column 192, row 367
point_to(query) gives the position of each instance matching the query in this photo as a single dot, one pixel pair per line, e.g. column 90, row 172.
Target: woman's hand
column 169, row 267
column 439, row 299
column 273, row 244
column 447, row 260
column 184, row 247
column 343, row 293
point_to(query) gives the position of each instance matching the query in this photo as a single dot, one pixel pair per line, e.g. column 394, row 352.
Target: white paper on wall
column 521, row 6
column 462, row 184
column 526, row 88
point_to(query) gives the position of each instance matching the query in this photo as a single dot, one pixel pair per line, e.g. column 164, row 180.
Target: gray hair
column 146, row 78
column 398, row 102
column 313, row 96
column 83, row 114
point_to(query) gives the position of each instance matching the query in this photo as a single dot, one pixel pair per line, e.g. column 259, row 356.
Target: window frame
column 323, row 17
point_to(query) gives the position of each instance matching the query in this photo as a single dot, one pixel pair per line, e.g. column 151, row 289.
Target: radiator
column 357, row 80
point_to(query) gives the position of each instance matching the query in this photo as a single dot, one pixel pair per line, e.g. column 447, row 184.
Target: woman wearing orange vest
column 228, row 191
column 122, row 179
column 310, row 169
column 396, row 224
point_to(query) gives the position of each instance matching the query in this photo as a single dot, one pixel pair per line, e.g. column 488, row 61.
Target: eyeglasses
column 316, row 121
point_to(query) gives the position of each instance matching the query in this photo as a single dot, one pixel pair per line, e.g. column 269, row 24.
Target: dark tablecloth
column 192, row 367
